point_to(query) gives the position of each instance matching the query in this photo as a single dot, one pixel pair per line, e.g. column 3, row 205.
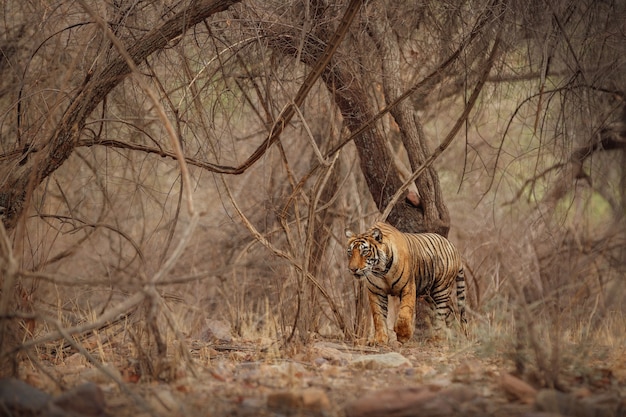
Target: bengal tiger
column 406, row 265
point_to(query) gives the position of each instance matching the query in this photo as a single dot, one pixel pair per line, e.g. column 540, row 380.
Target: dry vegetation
column 177, row 232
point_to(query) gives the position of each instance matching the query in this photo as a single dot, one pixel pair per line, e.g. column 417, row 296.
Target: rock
column 402, row 402
column 553, row 401
column 164, row 402
column 422, row 370
column 379, row 361
column 85, row 400
column 460, row 393
column 508, row 409
column 329, row 352
column 311, row 400
column 518, row 388
column 467, row 372
column 607, row 405
column 286, row 369
column 216, row 331
column 465, row 399
column 19, row 398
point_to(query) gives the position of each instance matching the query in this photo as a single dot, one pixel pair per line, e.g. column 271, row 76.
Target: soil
column 331, row 378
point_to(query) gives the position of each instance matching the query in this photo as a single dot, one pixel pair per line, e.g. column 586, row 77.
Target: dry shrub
column 551, row 296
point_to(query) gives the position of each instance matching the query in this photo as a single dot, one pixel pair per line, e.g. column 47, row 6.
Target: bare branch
column 97, row 85
column 289, row 111
column 278, row 252
column 452, row 134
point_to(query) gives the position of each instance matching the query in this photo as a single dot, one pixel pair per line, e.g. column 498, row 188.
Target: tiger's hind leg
column 438, row 314
column 440, row 304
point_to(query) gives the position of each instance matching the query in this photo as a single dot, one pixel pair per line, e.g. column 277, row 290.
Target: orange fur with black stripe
column 406, row 265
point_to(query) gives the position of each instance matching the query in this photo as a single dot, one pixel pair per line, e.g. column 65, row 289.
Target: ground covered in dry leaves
column 323, row 378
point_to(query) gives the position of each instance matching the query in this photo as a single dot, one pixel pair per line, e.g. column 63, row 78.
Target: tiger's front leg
column 405, row 324
column 378, row 305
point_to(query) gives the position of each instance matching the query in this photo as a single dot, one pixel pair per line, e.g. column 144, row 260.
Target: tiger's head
column 365, row 253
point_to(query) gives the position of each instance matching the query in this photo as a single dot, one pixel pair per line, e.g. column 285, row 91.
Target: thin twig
column 309, row 134
column 429, row 80
column 282, row 254
column 174, row 140
column 115, row 378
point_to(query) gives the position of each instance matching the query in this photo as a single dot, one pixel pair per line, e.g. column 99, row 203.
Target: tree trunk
column 352, row 98
column 433, row 216
column 381, row 174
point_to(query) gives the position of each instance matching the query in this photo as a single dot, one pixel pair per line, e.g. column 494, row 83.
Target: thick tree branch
column 433, row 216
column 36, row 164
column 290, row 110
column 453, row 132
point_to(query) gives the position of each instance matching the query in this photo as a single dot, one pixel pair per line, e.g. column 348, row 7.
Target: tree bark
column 433, row 215
column 353, row 101
column 376, row 163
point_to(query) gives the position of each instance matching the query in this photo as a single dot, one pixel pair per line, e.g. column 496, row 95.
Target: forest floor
column 239, row 377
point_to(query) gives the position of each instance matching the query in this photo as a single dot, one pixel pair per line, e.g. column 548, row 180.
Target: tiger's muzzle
column 358, row 273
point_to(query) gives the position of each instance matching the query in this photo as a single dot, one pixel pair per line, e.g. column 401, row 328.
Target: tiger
column 406, row 265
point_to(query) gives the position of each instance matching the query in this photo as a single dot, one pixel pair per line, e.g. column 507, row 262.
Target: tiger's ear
column 349, row 233
column 377, row 234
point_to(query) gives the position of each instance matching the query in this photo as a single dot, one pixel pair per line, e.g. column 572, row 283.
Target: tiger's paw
column 404, row 330
column 403, row 338
column 379, row 340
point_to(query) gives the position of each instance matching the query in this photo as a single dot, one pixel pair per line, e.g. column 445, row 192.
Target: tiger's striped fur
column 406, row 265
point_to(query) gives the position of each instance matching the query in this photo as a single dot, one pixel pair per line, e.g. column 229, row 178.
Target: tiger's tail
column 460, row 297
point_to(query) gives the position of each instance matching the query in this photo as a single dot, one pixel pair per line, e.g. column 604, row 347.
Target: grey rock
column 19, row 398
column 553, row 401
column 85, row 400
column 379, row 361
